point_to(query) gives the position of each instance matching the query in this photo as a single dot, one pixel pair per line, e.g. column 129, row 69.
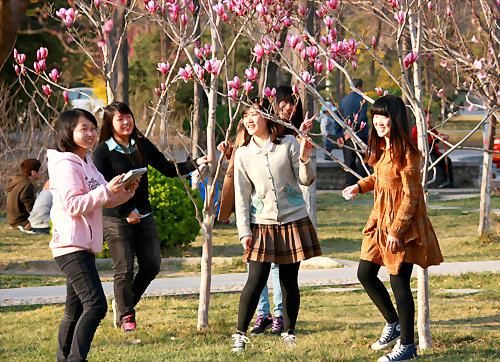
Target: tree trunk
column 209, row 210
column 197, row 104
column 119, row 74
column 423, row 319
column 484, row 205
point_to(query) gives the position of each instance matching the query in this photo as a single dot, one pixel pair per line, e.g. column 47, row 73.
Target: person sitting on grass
column 21, row 194
column 40, row 214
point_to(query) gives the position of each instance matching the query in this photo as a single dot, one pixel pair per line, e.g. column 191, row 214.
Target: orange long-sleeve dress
column 399, row 210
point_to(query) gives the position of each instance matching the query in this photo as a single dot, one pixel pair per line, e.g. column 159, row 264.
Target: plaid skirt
column 283, row 244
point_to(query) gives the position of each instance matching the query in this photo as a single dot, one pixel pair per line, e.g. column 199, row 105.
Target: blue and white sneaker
column 400, row 352
column 390, row 335
column 239, row 342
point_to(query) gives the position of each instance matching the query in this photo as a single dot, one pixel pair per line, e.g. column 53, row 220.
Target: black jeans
column 367, row 275
column 352, row 160
column 85, row 306
column 258, row 274
column 124, row 240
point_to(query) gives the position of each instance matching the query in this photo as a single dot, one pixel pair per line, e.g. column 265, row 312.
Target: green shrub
column 173, row 210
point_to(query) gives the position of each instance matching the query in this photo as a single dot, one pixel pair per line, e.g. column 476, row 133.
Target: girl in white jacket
column 79, row 191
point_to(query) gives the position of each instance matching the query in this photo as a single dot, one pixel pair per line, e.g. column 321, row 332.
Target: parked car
column 85, row 98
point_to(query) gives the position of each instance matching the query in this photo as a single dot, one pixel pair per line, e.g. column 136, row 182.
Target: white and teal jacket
column 267, row 184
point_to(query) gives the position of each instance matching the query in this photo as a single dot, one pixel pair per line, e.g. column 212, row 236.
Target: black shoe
column 278, row 325
column 262, row 324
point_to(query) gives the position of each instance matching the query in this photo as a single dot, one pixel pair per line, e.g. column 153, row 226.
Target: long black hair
column 65, row 126
column 107, row 126
column 264, row 105
column 392, row 107
column 285, row 93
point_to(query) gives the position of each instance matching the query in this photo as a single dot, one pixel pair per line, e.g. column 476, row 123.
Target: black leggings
column 258, row 274
column 367, row 275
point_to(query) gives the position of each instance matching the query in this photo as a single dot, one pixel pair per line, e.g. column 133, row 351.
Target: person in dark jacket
column 130, row 229
column 21, row 194
column 352, row 109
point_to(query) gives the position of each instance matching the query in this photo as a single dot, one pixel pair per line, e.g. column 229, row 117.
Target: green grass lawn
column 331, row 326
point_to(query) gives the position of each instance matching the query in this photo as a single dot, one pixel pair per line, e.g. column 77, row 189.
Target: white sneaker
column 390, row 334
column 288, row 338
column 239, row 342
column 400, row 352
column 116, row 317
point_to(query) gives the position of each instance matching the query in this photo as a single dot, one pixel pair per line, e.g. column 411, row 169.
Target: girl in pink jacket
column 79, row 191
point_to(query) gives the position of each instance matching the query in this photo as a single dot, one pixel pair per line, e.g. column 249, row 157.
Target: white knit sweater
column 267, row 184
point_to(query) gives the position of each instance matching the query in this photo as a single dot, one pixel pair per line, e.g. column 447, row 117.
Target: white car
column 85, row 98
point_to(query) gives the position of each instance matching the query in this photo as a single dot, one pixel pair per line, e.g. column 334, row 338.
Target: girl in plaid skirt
column 271, row 216
column 398, row 233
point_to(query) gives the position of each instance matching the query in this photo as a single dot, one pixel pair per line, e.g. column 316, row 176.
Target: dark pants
column 367, row 275
column 444, row 169
column 85, row 306
column 258, row 274
column 352, row 160
column 124, row 240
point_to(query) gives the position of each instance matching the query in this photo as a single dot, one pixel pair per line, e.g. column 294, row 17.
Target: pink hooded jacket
column 78, row 191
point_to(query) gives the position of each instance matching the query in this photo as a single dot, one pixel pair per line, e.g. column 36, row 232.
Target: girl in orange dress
column 398, row 233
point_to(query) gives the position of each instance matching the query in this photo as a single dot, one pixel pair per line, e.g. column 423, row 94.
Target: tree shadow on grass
column 489, row 321
column 340, row 245
column 23, row 308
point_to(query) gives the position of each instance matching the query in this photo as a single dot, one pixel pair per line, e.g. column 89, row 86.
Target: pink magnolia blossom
column 478, row 64
column 247, row 86
column 318, row 65
column 362, row 125
column 184, row 19
column 46, row 89
column 300, row 46
column 333, row 33
column 186, row 73
column 42, row 53
column 42, row 64
column 302, row 10
column 356, row 117
column 219, row 9
column 440, row 93
column 198, row 53
column 235, row 83
column 379, row 91
column 157, row 91
column 36, row 67
column 481, row 75
column 54, row 75
column 312, row 52
column 258, row 51
column 386, row 92
column 200, row 72
column 269, row 93
column 15, row 54
column 174, row 10
column 354, row 64
column 97, row 3
column 163, row 87
column 306, row 77
column 349, row 123
column 293, row 40
column 448, row 11
column 374, row 41
column 329, row 22
column 207, row 49
column 429, row 5
column 332, row 4
column 21, row 58
column 67, row 16
column 212, row 66
column 101, row 43
column 66, row 96
column 330, row 65
column 400, row 17
column 295, row 89
column 151, row 6
column 233, row 93
column 470, row 108
column 61, row 13
column 251, row 74
column 17, row 69
column 163, row 67
column 394, row 3
column 261, row 9
column 108, row 26
column 474, row 39
column 303, row 54
column 410, row 59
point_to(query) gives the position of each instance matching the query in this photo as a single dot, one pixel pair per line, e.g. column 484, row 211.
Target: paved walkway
column 231, row 282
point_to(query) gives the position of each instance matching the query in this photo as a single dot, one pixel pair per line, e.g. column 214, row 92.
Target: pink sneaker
column 128, row 323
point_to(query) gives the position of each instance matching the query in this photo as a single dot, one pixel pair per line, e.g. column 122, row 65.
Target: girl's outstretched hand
column 305, row 148
column 350, row 192
column 246, row 241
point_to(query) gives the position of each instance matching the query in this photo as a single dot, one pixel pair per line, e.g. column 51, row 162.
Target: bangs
column 380, row 108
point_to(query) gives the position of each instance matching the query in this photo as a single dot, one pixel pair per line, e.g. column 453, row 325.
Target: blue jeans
column 264, row 307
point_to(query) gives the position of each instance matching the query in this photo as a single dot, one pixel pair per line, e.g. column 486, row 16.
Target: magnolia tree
column 414, row 31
